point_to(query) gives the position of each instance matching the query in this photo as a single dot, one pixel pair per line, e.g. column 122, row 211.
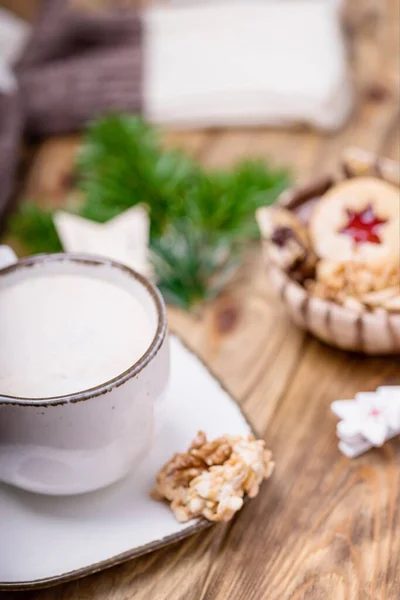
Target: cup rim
column 135, row 368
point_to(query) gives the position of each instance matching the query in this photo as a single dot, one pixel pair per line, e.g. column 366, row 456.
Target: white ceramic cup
column 89, row 439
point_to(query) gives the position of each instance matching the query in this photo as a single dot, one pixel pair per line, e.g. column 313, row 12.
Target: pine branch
column 34, row 228
column 200, row 221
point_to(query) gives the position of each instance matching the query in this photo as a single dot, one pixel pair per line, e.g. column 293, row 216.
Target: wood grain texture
column 325, row 528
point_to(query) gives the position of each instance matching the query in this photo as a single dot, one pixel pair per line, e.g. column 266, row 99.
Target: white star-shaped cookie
column 124, row 238
column 369, row 420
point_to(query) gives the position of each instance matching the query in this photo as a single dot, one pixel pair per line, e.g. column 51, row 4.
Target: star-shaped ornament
column 363, row 226
column 124, row 238
column 369, row 420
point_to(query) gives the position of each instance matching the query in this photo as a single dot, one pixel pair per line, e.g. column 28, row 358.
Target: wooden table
column 325, row 527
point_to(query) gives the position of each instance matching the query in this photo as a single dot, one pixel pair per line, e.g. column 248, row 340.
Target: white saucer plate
column 47, row 540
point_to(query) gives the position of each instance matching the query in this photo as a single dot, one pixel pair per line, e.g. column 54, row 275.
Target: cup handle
column 7, row 256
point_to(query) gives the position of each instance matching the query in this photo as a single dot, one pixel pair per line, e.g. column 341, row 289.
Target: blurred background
column 287, row 83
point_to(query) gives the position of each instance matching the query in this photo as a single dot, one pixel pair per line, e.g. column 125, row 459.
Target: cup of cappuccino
column 83, row 362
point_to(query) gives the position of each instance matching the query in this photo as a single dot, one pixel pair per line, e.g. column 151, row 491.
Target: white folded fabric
column 246, row 63
column 13, row 35
column 7, row 80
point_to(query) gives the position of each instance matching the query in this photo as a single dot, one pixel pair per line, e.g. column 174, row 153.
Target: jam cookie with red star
column 358, row 220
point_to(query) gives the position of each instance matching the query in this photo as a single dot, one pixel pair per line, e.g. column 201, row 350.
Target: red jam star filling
column 363, row 226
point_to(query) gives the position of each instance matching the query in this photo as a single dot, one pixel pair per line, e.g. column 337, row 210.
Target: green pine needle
column 200, row 220
column 34, row 227
column 120, row 165
column 192, row 264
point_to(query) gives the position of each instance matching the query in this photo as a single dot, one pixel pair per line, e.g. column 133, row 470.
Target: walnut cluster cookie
column 351, row 282
column 211, row 479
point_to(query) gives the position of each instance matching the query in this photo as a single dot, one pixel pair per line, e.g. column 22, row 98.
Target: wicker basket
column 377, row 332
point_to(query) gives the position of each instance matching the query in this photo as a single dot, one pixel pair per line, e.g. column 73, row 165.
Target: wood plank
column 326, row 526
column 23, row 9
column 51, row 174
